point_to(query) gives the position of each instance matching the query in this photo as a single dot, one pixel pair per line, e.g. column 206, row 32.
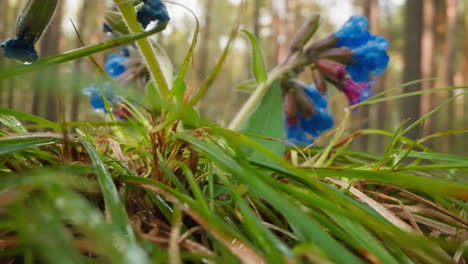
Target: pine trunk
column 427, row 62
column 75, row 101
column 451, row 12
column 206, row 38
column 412, row 60
column 50, row 45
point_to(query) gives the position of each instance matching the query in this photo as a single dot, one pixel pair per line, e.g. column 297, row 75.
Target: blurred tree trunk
column 49, row 79
column 279, row 13
column 75, row 104
column 427, row 62
column 11, row 32
column 206, row 38
column 256, row 31
column 256, row 18
column 451, row 51
column 412, row 59
column 370, row 114
column 276, row 31
column 464, row 118
column 465, row 63
column 4, row 6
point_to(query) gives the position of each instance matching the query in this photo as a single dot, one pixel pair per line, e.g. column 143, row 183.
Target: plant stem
column 128, row 12
column 261, row 90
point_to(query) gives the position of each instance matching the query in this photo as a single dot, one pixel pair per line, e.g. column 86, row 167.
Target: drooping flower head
column 349, row 58
column 353, row 33
column 116, row 65
column 369, row 59
column 152, row 10
column 96, row 99
column 357, row 92
column 19, row 49
column 30, row 25
column 302, row 127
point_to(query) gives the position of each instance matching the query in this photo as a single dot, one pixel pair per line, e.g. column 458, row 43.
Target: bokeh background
column 429, row 42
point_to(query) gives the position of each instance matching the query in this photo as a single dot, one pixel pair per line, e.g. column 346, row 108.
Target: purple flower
column 301, row 130
column 116, row 65
column 353, row 33
column 95, row 97
column 122, row 112
column 152, row 10
column 370, row 58
column 357, row 92
column 331, row 68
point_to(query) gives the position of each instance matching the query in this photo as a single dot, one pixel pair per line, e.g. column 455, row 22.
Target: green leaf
column 266, row 121
column 12, row 123
column 88, row 219
column 258, row 65
column 77, row 53
column 305, row 227
column 13, row 145
column 39, row 227
column 179, row 86
column 114, row 205
column 426, row 184
column 20, row 115
column 437, row 156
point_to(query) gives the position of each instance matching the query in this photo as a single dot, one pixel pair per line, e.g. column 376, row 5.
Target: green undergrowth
column 169, row 187
column 117, row 194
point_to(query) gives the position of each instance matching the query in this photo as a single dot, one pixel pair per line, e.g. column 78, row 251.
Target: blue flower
column 19, row 49
column 116, row 65
column 321, row 121
column 302, row 130
column 319, row 100
column 296, row 135
column 369, row 59
column 152, row 10
column 95, row 97
column 353, row 33
column 366, row 93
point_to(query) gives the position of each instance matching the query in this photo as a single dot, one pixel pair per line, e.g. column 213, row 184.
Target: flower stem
column 261, row 90
column 128, row 12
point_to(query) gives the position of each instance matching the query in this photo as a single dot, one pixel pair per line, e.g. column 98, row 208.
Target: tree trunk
column 50, row 45
column 256, row 17
column 12, row 81
column 370, row 114
column 206, row 38
column 450, row 63
column 75, row 102
column 427, row 62
column 462, row 143
column 3, row 35
column 412, row 59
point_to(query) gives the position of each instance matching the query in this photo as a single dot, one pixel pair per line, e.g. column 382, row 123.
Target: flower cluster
column 348, row 58
column 116, row 67
column 126, row 67
column 306, row 113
